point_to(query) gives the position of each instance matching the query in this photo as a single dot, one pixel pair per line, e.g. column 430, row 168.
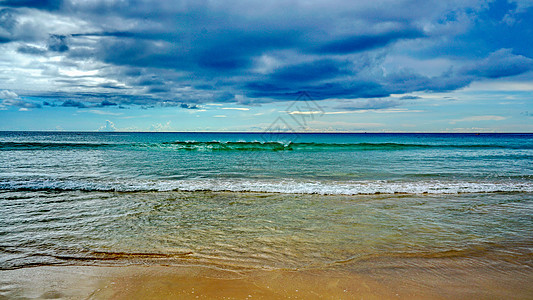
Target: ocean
column 266, row 201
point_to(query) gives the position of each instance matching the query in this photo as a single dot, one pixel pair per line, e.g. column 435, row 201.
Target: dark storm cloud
column 312, row 71
column 72, row 103
column 364, row 42
column 39, row 4
column 107, row 103
column 410, row 97
column 501, row 63
column 322, row 91
column 88, row 99
column 158, row 89
column 78, row 104
column 31, row 50
column 504, row 24
column 57, row 43
column 7, row 23
column 172, row 53
column 110, row 86
column 205, row 53
column 189, row 106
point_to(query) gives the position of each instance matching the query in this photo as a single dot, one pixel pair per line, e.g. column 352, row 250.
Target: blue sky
column 374, row 66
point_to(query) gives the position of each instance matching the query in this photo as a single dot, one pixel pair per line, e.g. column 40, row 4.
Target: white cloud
column 478, row 118
column 384, row 111
column 8, row 95
column 18, row 103
column 109, row 126
column 503, row 86
column 236, row 108
column 304, row 112
column 471, row 129
column 398, row 110
column 161, row 127
column 346, row 125
column 100, row 112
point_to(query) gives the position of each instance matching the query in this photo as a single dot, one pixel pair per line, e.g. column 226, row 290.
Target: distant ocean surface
column 261, row 200
column 348, row 164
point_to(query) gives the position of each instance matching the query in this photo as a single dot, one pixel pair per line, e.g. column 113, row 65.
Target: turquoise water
column 287, row 163
column 262, row 200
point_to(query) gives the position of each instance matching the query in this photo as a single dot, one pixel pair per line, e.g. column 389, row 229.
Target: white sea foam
column 276, row 186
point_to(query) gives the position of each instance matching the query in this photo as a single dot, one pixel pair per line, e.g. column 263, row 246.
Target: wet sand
column 446, row 278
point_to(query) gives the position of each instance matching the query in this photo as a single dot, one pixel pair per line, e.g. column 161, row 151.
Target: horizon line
column 277, row 132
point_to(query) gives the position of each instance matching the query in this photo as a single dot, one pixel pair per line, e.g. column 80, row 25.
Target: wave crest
column 248, row 146
column 281, row 186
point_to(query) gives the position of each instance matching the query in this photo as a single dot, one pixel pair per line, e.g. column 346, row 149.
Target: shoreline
column 393, row 278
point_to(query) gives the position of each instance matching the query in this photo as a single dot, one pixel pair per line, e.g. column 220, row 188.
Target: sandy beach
column 441, row 278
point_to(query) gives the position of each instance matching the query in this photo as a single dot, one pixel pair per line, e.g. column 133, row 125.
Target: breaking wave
column 247, row 146
column 274, row 186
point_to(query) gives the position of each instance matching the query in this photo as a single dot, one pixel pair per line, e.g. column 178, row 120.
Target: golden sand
column 437, row 279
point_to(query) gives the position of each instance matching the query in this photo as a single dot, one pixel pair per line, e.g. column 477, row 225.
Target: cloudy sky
column 170, row 65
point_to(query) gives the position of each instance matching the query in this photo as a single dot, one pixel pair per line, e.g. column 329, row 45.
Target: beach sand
column 444, row 278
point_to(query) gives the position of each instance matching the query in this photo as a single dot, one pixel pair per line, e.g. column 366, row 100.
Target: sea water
column 256, row 200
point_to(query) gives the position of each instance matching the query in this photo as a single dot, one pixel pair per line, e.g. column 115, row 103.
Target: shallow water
column 258, row 230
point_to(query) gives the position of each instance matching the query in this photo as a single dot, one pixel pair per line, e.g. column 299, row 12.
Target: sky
column 291, row 65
